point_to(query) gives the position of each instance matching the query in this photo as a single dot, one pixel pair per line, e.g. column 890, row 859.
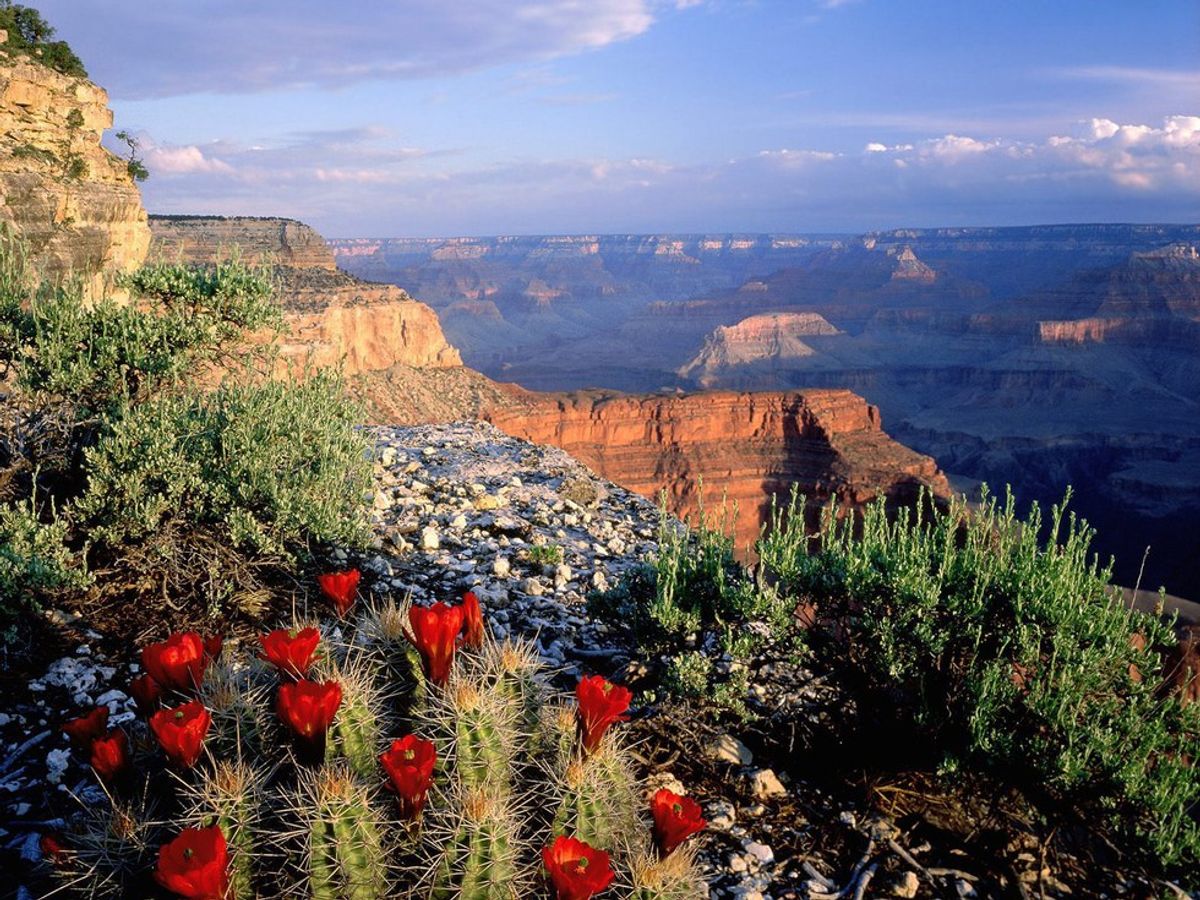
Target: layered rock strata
column 748, row 447
column 331, row 316
column 71, row 200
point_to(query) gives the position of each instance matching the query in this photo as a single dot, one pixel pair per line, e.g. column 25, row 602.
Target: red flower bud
column 212, row 647
column 87, row 728
column 110, row 756
column 409, row 766
column 146, row 692
column 600, row 704
column 291, row 654
column 178, row 663
column 576, row 870
column 195, row 864
column 435, row 632
column 181, row 731
column 676, row 819
column 341, row 588
column 472, row 621
column 53, row 850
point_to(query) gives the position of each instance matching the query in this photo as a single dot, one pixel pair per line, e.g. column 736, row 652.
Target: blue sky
column 457, row 117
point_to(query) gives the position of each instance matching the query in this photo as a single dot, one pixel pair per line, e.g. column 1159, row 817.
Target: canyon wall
column 330, row 315
column 69, row 198
column 746, row 447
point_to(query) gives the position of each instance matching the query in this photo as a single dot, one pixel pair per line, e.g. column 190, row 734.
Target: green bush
column 99, row 358
column 269, row 466
column 30, row 35
column 163, row 477
column 1011, row 650
column 34, row 557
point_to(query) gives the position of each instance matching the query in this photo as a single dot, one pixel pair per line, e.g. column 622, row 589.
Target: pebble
column 764, row 783
column 727, row 748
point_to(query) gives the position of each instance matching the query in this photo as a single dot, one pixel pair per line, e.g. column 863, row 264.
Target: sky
column 382, row 118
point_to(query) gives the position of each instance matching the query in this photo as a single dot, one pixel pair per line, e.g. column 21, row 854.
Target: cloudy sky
column 480, row 117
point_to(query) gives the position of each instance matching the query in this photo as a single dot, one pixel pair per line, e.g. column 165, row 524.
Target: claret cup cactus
column 411, row 757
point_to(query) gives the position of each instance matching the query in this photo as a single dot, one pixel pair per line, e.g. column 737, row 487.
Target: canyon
column 1040, row 357
column 717, row 451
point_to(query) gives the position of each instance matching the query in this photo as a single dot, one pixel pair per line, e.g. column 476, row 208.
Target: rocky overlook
column 68, row 197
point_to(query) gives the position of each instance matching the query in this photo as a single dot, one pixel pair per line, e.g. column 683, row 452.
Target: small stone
column 600, row 580
column 430, row 539
column 562, row 574
column 763, row 854
column 532, row 587
column 907, row 885
column 501, row 567
column 737, row 863
column 721, row 815
column 459, row 522
column 764, row 783
column 727, row 748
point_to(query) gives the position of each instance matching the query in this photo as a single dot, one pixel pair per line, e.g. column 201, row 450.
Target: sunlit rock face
column 747, row 448
column 71, row 200
column 332, row 317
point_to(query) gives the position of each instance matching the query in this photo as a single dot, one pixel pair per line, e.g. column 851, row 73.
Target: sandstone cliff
column 331, row 315
column 750, row 447
column 68, row 197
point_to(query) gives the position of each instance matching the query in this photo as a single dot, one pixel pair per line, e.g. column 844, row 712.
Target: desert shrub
column 34, row 557
column 269, row 466
column 692, row 601
column 174, row 464
column 1011, row 650
column 99, row 358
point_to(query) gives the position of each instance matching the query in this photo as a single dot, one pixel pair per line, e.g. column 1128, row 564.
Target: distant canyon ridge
column 1039, row 357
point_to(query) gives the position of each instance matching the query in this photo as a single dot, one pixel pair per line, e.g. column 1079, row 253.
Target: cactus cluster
column 356, row 762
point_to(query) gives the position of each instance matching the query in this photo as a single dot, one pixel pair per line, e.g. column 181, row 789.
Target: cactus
column 230, row 794
column 342, row 837
column 510, row 775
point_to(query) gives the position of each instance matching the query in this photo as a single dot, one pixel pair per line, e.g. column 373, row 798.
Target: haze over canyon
column 1041, row 357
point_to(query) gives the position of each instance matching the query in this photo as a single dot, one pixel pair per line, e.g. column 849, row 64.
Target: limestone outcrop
column 331, row 316
column 60, row 190
column 749, row 447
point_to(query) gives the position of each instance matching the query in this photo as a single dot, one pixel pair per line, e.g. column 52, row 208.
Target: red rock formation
column 751, row 446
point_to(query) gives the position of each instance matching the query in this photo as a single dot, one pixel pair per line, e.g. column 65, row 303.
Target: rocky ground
column 532, row 532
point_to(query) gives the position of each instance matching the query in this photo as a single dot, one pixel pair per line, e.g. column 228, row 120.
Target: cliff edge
column 69, row 198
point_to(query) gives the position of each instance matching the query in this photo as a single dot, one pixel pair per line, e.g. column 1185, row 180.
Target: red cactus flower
column 146, row 692
column 308, row 708
column 181, row 731
column 292, row 654
column 53, row 850
column 212, row 647
column 435, row 631
column 600, row 704
column 577, row 870
column 178, row 663
column 341, row 588
column 110, row 756
column 409, row 766
column 676, row 819
column 472, row 620
column 195, row 864
column 87, row 728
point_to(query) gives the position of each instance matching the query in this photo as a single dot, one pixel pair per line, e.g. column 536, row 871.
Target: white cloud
column 140, row 50
column 367, row 181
